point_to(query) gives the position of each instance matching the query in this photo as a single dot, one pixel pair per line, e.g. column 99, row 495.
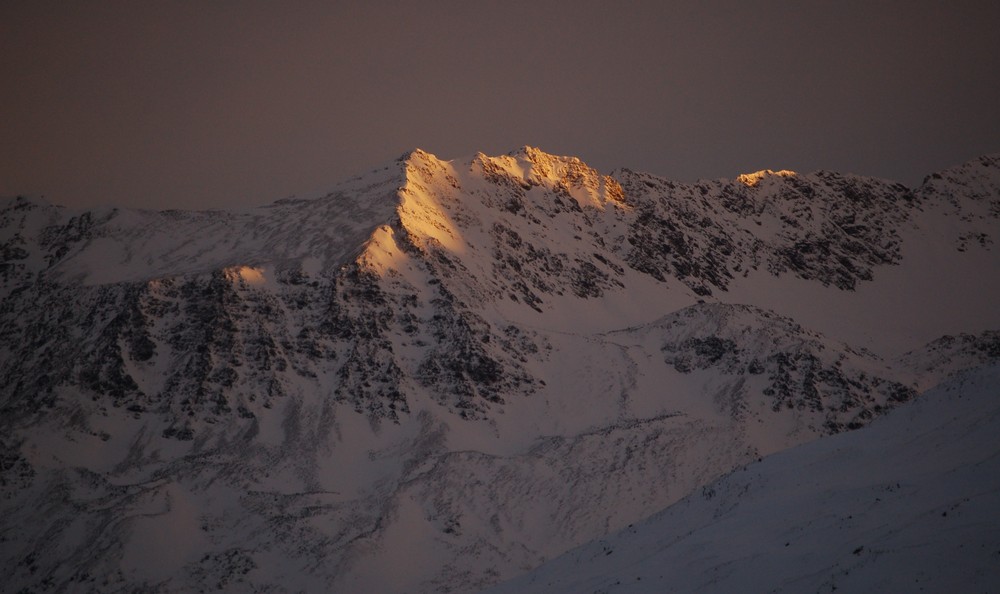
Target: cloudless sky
column 196, row 104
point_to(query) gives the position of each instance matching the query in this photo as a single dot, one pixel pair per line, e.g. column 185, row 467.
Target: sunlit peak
column 248, row 274
column 752, row 179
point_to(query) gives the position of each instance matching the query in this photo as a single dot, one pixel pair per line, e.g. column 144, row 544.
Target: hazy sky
column 178, row 104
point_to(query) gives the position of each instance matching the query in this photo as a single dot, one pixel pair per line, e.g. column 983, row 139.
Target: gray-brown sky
column 212, row 104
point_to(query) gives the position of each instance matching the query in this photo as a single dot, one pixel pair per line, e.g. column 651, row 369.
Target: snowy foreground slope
column 441, row 374
column 910, row 503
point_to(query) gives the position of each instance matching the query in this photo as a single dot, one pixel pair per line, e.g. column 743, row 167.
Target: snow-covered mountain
column 440, row 374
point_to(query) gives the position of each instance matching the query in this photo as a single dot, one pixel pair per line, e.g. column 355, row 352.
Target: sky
column 193, row 104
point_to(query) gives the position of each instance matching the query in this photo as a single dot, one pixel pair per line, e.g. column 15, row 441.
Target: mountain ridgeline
column 492, row 359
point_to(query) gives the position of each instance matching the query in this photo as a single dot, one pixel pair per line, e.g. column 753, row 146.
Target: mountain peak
column 978, row 178
column 533, row 153
column 753, row 179
column 22, row 201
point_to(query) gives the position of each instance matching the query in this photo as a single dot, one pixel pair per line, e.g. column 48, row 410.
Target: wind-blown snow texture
column 443, row 373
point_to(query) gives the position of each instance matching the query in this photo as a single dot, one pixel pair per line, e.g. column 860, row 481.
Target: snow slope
column 910, row 503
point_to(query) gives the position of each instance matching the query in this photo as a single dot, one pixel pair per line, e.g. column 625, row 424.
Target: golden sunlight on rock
column 248, row 275
column 752, row 179
column 423, row 213
column 381, row 253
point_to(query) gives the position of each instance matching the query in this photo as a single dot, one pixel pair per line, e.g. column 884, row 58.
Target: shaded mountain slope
column 907, row 504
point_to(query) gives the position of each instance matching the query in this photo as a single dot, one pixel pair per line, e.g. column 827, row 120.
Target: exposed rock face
column 823, row 226
column 795, row 369
column 490, row 360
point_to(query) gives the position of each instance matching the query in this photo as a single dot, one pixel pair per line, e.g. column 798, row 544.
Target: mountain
column 440, row 374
